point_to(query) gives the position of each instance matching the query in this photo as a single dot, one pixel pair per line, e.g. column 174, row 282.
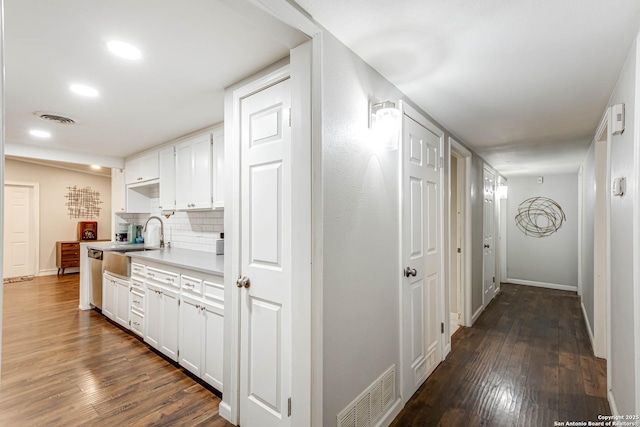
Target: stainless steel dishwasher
column 95, row 259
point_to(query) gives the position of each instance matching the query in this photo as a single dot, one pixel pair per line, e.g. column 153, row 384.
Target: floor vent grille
column 371, row 404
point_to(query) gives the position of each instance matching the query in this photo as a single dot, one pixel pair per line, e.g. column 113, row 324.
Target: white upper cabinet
column 143, row 168
column 218, row 167
column 167, row 178
column 194, row 173
column 118, row 199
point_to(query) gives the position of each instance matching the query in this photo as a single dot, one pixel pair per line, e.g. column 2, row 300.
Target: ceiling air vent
column 52, row 117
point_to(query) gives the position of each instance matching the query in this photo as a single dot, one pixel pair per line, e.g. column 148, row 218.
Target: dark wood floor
column 66, row 367
column 527, row 361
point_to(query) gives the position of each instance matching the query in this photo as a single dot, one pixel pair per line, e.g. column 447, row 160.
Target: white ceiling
column 191, row 51
column 523, row 82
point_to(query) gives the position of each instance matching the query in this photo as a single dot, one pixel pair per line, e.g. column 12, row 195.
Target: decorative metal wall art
column 83, row 202
column 539, row 217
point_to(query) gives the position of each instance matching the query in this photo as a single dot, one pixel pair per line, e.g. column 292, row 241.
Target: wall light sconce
column 384, row 120
column 502, row 191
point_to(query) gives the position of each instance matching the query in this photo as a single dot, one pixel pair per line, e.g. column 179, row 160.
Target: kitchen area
column 161, row 276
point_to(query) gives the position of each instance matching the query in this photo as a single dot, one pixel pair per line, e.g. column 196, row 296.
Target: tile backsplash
column 196, row 230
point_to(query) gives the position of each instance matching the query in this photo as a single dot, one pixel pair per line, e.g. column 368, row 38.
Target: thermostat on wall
column 618, row 186
column 617, row 119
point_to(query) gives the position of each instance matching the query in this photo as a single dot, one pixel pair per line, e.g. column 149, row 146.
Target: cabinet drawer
column 164, row 277
column 70, row 247
column 137, row 284
column 138, row 270
column 137, row 323
column 214, row 290
column 137, row 301
column 191, row 284
column 67, row 263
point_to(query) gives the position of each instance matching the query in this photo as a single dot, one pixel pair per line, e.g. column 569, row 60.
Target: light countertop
column 206, row 262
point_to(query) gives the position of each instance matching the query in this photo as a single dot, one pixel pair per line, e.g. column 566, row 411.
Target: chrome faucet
column 161, row 229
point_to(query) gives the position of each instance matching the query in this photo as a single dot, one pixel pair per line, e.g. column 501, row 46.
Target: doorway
column 421, row 287
column 488, row 230
column 460, row 244
column 456, row 241
column 21, row 223
column 601, row 249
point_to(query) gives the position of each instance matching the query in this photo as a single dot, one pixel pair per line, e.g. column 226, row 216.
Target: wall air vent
column 52, row 117
column 370, row 405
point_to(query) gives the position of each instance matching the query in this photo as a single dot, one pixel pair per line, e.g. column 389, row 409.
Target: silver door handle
column 410, row 272
column 244, row 281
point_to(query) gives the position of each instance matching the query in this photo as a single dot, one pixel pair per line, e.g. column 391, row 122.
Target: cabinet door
column 117, row 191
column 123, row 305
column 191, row 334
column 153, row 313
column 149, row 166
column 169, row 321
column 167, row 178
column 108, row 296
column 184, row 156
column 213, row 345
column 217, row 188
column 201, row 173
column 132, row 171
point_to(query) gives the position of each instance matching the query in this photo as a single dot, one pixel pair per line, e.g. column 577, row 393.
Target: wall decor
column 539, row 217
column 83, row 202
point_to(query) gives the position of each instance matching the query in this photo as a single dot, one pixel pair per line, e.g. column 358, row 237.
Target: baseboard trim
column 612, row 403
column 543, row 285
column 391, row 414
column 586, row 321
column 476, row 315
column 224, row 409
column 50, row 272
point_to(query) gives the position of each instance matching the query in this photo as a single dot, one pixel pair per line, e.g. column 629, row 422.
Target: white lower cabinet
column 201, row 339
column 115, row 299
column 179, row 313
column 162, row 320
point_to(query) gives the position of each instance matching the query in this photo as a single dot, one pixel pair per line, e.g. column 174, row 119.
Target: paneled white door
column 19, row 246
column 265, row 257
column 421, row 251
column 489, row 257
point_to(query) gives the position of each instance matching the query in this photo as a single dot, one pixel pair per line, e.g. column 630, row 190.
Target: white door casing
column 488, row 259
column 422, row 255
column 265, row 257
column 20, row 229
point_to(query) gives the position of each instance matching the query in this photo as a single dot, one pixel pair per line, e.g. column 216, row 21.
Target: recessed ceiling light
column 84, row 90
column 124, row 50
column 40, row 133
column 96, row 167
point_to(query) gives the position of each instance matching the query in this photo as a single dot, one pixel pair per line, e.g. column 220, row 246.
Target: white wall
column 623, row 334
column 552, row 259
column 55, row 223
column 361, row 232
column 361, row 222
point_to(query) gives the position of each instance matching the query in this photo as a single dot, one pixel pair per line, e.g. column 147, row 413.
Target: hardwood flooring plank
column 66, row 367
column 526, row 362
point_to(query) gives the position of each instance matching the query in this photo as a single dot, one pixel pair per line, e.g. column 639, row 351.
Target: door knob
column 243, row 281
column 410, row 272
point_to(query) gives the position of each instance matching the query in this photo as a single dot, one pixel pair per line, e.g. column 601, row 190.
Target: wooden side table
column 67, row 255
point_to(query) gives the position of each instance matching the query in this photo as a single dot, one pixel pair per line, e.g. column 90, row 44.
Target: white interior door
column 489, row 257
column 19, row 246
column 265, row 257
column 421, row 252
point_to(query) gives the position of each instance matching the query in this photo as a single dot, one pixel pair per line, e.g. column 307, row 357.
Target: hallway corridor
column 527, row 361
